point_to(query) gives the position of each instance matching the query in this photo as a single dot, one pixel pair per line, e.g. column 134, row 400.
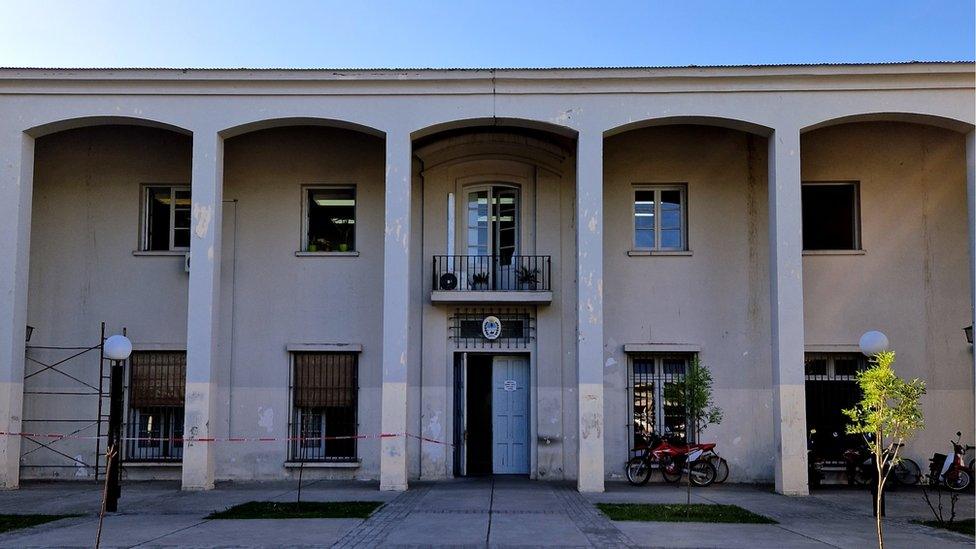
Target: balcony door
column 492, row 222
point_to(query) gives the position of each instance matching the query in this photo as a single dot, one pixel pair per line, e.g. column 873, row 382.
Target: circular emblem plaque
column 491, row 327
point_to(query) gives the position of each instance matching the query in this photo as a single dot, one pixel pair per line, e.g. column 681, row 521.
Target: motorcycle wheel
column 957, row 480
column 863, row 476
column 907, row 472
column 702, row 473
column 721, row 469
column 672, row 469
column 638, row 471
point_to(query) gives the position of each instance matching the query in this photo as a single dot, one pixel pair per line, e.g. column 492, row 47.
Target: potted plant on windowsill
column 479, row 281
column 319, row 245
column 528, row 279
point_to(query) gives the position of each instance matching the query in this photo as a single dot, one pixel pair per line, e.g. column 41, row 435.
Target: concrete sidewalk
column 472, row 512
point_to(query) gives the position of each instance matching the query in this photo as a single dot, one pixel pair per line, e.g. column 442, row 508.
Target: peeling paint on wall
column 266, row 418
column 202, row 215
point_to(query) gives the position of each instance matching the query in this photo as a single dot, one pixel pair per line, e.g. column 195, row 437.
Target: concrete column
column 396, row 304
column 203, row 310
column 786, row 311
column 589, row 287
column 971, row 206
column 16, row 182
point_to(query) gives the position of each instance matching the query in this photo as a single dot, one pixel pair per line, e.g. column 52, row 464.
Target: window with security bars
column 652, row 413
column 517, row 328
column 831, row 386
column 324, row 389
column 156, row 392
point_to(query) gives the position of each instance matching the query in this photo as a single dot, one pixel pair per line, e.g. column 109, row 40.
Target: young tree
column 888, row 414
column 694, row 393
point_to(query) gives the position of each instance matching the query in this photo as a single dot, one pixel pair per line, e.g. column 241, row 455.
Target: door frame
column 461, row 446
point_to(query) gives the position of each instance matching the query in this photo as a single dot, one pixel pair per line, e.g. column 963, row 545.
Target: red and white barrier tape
column 62, row 436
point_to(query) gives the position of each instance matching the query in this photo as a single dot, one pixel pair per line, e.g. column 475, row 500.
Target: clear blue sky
column 486, row 33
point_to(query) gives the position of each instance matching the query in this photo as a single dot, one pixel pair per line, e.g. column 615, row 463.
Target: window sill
column 152, row 463
column 323, row 464
column 326, row 254
column 160, row 253
column 834, row 252
column 647, row 253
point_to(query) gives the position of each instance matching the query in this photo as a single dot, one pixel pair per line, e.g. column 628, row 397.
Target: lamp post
column 117, row 348
column 872, row 343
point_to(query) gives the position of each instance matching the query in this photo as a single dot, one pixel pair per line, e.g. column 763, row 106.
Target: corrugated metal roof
column 474, row 69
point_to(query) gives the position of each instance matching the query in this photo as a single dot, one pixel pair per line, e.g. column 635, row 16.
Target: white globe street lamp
column 117, row 347
column 873, row 343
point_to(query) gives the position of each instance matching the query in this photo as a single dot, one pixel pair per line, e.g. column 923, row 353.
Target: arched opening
column 93, row 121
column 885, row 215
column 497, row 199
column 110, row 225
column 685, row 272
column 302, row 290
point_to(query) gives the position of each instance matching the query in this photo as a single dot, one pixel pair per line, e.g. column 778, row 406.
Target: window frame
column 305, row 190
column 490, row 187
column 658, row 188
column 858, row 245
column 296, row 415
column 146, row 451
column 658, row 378
column 144, row 216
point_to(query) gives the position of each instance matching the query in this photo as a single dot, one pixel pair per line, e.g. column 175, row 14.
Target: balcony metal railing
column 492, row 273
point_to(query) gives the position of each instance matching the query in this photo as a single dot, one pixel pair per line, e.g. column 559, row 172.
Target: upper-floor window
column 329, row 219
column 492, row 222
column 166, row 218
column 156, row 392
column 659, row 218
column 831, row 217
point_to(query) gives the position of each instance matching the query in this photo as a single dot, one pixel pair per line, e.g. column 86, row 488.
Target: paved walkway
column 497, row 512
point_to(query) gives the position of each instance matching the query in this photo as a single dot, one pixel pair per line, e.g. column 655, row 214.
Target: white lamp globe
column 117, row 347
column 873, row 342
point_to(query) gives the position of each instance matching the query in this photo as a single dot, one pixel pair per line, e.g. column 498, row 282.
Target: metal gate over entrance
column 831, row 386
column 66, row 405
column 491, row 414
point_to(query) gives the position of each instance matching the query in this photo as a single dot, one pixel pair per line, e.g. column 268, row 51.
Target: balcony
column 525, row 279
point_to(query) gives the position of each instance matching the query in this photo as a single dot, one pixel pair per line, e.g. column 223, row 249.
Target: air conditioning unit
column 186, row 262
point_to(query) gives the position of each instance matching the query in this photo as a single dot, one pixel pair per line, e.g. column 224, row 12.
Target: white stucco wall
column 912, row 281
column 85, row 227
column 716, row 298
column 264, row 289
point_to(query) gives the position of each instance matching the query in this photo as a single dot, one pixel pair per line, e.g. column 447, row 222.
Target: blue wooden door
column 510, row 415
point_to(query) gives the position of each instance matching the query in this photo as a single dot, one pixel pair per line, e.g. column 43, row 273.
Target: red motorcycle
column 671, row 459
column 951, row 471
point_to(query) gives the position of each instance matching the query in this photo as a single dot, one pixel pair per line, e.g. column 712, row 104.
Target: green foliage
column 676, row 512
column 965, row 526
column 889, row 412
column 15, row 522
column 890, row 406
column 290, row 509
column 694, row 393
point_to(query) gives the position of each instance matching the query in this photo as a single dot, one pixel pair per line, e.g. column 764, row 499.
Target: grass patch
column 305, row 509
column 16, row 522
column 964, row 526
column 679, row 512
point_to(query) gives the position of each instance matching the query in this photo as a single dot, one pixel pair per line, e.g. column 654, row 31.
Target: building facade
column 421, row 274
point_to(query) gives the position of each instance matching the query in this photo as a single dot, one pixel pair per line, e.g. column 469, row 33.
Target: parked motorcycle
column 670, row 457
column 951, row 470
column 815, row 474
column 861, row 469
